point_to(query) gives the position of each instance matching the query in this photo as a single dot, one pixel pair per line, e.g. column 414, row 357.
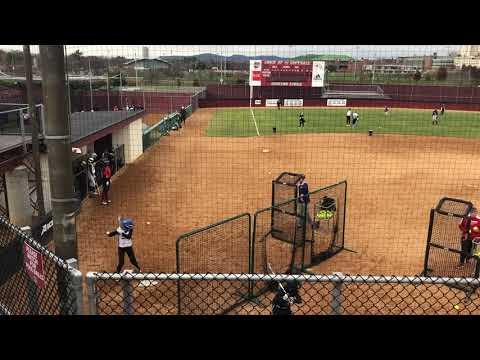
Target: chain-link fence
column 33, row 281
column 336, row 294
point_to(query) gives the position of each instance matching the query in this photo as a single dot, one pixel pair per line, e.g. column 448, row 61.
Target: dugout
column 120, row 131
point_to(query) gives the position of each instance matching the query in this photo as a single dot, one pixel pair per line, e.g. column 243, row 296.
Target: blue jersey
column 303, row 193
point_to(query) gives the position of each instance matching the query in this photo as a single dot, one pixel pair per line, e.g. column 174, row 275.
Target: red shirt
column 474, row 227
column 107, row 173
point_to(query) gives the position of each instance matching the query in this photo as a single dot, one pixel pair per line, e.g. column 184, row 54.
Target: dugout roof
column 90, row 126
column 86, row 127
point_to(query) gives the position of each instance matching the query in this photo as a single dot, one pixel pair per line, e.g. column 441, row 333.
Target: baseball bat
column 279, row 283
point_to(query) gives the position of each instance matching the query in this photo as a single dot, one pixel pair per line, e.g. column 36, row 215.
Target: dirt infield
column 189, row 180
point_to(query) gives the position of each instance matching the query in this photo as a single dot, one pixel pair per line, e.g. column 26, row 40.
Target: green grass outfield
column 239, row 122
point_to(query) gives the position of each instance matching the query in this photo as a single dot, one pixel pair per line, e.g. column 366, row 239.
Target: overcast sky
column 131, row 51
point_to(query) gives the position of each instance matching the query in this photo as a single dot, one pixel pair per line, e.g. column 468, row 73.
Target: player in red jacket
column 470, row 227
column 106, row 175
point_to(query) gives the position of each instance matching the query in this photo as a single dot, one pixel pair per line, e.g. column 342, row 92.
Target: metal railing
column 168, row 123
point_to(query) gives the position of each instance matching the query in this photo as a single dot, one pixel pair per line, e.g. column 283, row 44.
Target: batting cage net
column 284, row 187
column 33, row 281
column 338, row 294
column 220, row 247
column 327, row 210
column 444, row 254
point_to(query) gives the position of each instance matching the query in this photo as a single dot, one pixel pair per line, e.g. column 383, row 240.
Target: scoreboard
column 287, row 73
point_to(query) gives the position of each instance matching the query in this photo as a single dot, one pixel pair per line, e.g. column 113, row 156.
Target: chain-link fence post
column 127, row 294
column 91, row 294
column 337, row 294
column 76, row 285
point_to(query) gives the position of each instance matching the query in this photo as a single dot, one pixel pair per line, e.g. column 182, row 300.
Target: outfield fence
column 34, row 281
column 336, row 294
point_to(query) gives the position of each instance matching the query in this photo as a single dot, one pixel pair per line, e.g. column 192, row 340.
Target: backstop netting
column 253, row 112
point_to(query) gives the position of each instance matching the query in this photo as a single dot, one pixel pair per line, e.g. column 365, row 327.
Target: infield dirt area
column 188, row 180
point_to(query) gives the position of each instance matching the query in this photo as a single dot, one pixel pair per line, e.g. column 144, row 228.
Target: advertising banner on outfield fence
column 33, row 261
column 336, row 102
column 293, row 102
column 258, row 102
column 271, row 102
column 318, row 73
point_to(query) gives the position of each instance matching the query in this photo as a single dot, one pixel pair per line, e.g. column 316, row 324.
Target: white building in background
column 145, row 52
column 469, row 56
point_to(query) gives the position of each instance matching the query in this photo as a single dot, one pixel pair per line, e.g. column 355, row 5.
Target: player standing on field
column 92, row 177
column 125, row 232
column 354, row 119
column 301, row 120
column 106, row 175
column 435, row 117
column 281, row 303
column 470, row 227
column 303, row 200
column 285, row 297
column 349, row 116
column 386, row 110
column 278, row 104
column 442, row 110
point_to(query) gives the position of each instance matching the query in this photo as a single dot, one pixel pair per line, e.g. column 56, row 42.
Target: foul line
column 254, row 121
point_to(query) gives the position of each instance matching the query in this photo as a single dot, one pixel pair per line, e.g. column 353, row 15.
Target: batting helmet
column 127, row 224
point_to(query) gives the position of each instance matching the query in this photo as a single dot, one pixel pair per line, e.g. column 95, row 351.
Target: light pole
column 355, row 64
column 58, row 137
column 108, row 84
column 90, row 76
